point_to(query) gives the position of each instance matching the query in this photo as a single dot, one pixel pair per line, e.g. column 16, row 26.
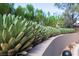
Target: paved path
column 54, row 47
column 39, row 49
column 58, row 44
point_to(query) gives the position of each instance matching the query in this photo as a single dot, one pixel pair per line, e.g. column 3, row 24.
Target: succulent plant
column 15, row 33
column 18, row 34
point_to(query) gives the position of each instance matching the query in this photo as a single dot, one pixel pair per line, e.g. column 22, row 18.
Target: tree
column 29, row 13
column 6, row 8
column 60, row 21
column 69, row 14
column 39, row 15
column 12, row 8
column 51, row 21
column 20, row 11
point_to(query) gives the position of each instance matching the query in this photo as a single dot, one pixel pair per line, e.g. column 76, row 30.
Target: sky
column 45, row 7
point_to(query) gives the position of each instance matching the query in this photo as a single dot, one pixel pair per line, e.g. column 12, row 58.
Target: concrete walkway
column 54, row 45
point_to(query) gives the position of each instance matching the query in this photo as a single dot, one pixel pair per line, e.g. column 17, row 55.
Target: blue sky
column 45, row 7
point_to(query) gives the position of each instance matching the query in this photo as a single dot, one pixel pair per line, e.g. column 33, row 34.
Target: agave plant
column 14, row 34
column 18, row 34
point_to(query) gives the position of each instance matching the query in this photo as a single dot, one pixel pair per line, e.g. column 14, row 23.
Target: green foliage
column 51, row 21
column 12, row 31
column 54, row 21
column 39, row 15
column 29, row 12
column 6, row 8
column 17, row 34
column 61, row 21
column 66, row 30
column 20, row 11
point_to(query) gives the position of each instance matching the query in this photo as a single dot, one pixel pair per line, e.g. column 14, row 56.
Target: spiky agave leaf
column 4, row 21
column 11, row 43
column 18, row 38
column 27, row 44
column 20, row 44
column 4, row 47
column 4, row 35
